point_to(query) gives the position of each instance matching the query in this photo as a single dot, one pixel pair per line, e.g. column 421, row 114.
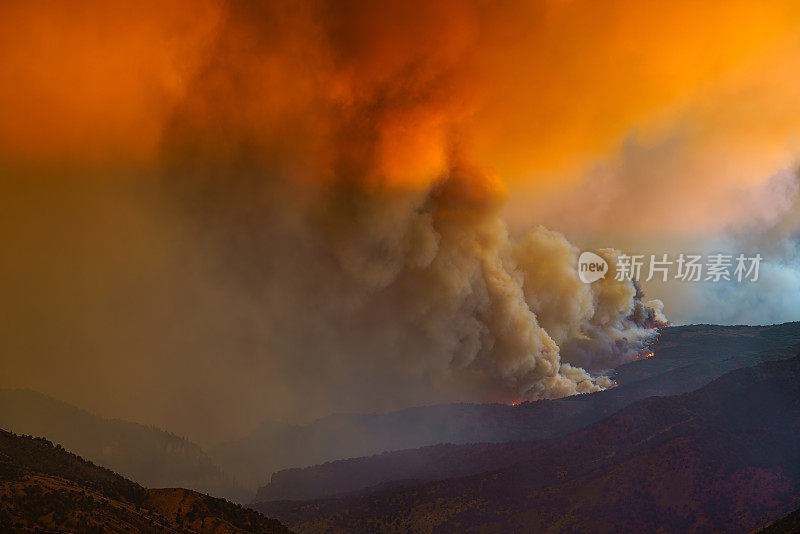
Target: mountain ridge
column 563, row 415
column 147, row 454
column 44, row 487
column 722, row 458
column 276, row 446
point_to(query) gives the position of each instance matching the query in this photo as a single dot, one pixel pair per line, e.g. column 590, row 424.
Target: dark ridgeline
column 148, row 455
column 723, row 458
column 789, row 524
column 686, row 358
column 44, row 488
column 629, row 458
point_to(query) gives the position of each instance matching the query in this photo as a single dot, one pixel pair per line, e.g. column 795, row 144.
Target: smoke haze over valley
column 250, row 237
column 320, row 195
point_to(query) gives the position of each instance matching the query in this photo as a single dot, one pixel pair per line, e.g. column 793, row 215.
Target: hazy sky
column 217, row 212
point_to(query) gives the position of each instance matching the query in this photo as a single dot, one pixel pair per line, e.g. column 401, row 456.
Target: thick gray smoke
column 371, row 246
column 318, row 230
column 386, row 298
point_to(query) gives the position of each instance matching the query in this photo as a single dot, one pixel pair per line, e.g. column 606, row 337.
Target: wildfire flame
column 646, row 351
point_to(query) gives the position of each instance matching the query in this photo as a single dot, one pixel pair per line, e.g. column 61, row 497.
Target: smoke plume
column 222, row 211
column 335, row 172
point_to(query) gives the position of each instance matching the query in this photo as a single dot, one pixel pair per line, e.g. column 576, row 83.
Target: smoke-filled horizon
column 223, row 212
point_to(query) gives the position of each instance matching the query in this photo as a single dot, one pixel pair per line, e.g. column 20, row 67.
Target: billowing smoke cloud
column 225, row 211
column 596, row 325
column 408, row 296
column 369, row 235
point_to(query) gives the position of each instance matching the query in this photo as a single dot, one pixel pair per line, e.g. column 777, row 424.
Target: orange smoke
column 95, row 81
column 344, row 163
column 532, row 87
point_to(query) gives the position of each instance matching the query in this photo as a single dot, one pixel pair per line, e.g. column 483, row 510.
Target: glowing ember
column 644, row 356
